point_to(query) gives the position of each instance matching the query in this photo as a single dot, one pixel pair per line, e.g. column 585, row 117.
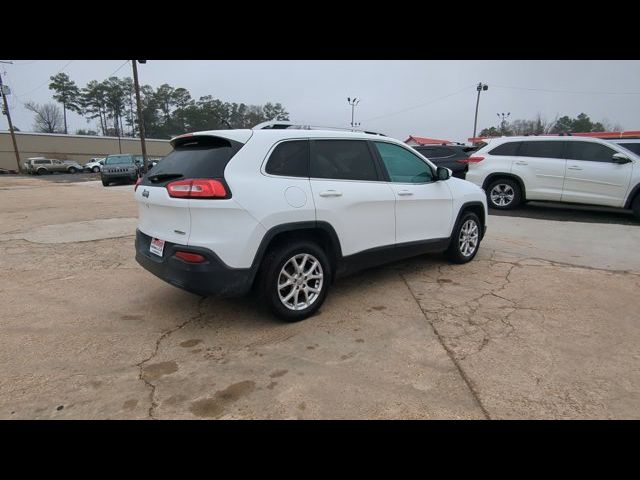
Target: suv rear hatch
column 193, row 171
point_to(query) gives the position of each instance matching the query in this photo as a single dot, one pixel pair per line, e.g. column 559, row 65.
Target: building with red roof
column 413, row 140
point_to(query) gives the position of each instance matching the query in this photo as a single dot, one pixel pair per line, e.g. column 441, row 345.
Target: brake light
column 197, row 188
column 137, row 183
column 190, row 257
column 471, row 160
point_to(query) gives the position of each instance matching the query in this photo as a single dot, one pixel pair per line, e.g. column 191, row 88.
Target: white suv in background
column 289, row 210
column 562, row 169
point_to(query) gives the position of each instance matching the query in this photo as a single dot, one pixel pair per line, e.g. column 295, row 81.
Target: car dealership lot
column 544, row 323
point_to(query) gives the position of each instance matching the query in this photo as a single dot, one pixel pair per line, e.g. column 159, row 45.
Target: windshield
column 118, row 160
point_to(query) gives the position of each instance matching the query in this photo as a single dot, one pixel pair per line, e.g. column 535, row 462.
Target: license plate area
column 156, row 247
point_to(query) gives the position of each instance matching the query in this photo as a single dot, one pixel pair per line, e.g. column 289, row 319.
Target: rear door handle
column 405, row 192
column 573, row 167
column 521, row 163
column 331, row 193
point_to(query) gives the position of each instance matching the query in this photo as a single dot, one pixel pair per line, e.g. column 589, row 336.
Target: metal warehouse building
column 72, row 147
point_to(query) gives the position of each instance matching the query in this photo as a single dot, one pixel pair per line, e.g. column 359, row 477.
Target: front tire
column 72, row 170
column 295, row 280
column 504, row 194
column 95, row 169
column 465, row 239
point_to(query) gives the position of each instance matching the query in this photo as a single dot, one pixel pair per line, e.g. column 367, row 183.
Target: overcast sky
column 398, row 98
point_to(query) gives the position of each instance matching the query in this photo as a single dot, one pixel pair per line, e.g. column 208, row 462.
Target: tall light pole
column 481, row 87
column 140, row 119
column 503, row 121
column 353, row 102
column 6, row 112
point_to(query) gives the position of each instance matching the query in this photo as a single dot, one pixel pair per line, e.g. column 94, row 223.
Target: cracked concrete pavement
column 534, row 327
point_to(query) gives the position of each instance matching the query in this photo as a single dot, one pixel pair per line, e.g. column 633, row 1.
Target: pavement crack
column 152, row 387
column 450, row 353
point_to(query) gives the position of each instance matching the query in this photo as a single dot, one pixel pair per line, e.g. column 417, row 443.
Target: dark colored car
column 119, row 168
column 449, row 156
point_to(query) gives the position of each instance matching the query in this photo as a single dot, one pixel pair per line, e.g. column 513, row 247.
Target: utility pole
column 6, row 112
column 353, row 102
column 481, row 87
column 140, row 119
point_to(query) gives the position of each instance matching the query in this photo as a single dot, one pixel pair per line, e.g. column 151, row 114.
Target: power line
column 420, row 104
column 46, row 81
column 117, row 69
column 565, row 91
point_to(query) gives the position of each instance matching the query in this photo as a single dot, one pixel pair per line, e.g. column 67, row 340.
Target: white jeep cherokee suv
column 562, row 169
column 289, row 210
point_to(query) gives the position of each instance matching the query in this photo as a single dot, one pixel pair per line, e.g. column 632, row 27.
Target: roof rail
column 282, row 124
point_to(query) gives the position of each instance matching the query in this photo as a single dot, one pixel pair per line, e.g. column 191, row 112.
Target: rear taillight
column 137, row 183
column 190, row 257
column 197, row 188
column 471, row 160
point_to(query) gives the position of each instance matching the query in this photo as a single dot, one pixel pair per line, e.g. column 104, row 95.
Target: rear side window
column 509, row 148
column 541, row 149
column 589, row 151
column 402, row 165
column 290, row 159
column 342, row 160
column 198, row 157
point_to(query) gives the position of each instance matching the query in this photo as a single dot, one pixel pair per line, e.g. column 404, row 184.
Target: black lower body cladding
column 208, row 278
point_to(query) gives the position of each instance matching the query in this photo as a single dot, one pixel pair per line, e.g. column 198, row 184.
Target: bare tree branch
column 47, row 119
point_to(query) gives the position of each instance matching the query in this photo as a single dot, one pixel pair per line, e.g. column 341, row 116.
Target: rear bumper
column 208, row 278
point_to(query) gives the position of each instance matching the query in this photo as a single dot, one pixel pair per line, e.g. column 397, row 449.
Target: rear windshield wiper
column 164, row 176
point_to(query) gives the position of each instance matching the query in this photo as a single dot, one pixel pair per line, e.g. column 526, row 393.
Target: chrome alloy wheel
column 300, row 281
column 502, row 195
column 468, row 240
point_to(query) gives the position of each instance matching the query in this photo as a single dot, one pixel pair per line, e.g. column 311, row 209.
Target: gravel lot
column 543, row 324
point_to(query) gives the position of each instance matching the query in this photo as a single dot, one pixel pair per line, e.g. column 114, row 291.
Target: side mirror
column 620, row 158
column 443, row 173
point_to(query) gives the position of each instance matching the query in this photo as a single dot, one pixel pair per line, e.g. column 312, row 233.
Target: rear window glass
column 290, row 159
column 202, row 157
column 118, row 160
column 509, row 148
column 342, row 160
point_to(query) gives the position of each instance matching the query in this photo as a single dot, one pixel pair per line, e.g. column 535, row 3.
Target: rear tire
column 504, row 194
column 281, row 283
column 635, row 206
column 465, row 239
